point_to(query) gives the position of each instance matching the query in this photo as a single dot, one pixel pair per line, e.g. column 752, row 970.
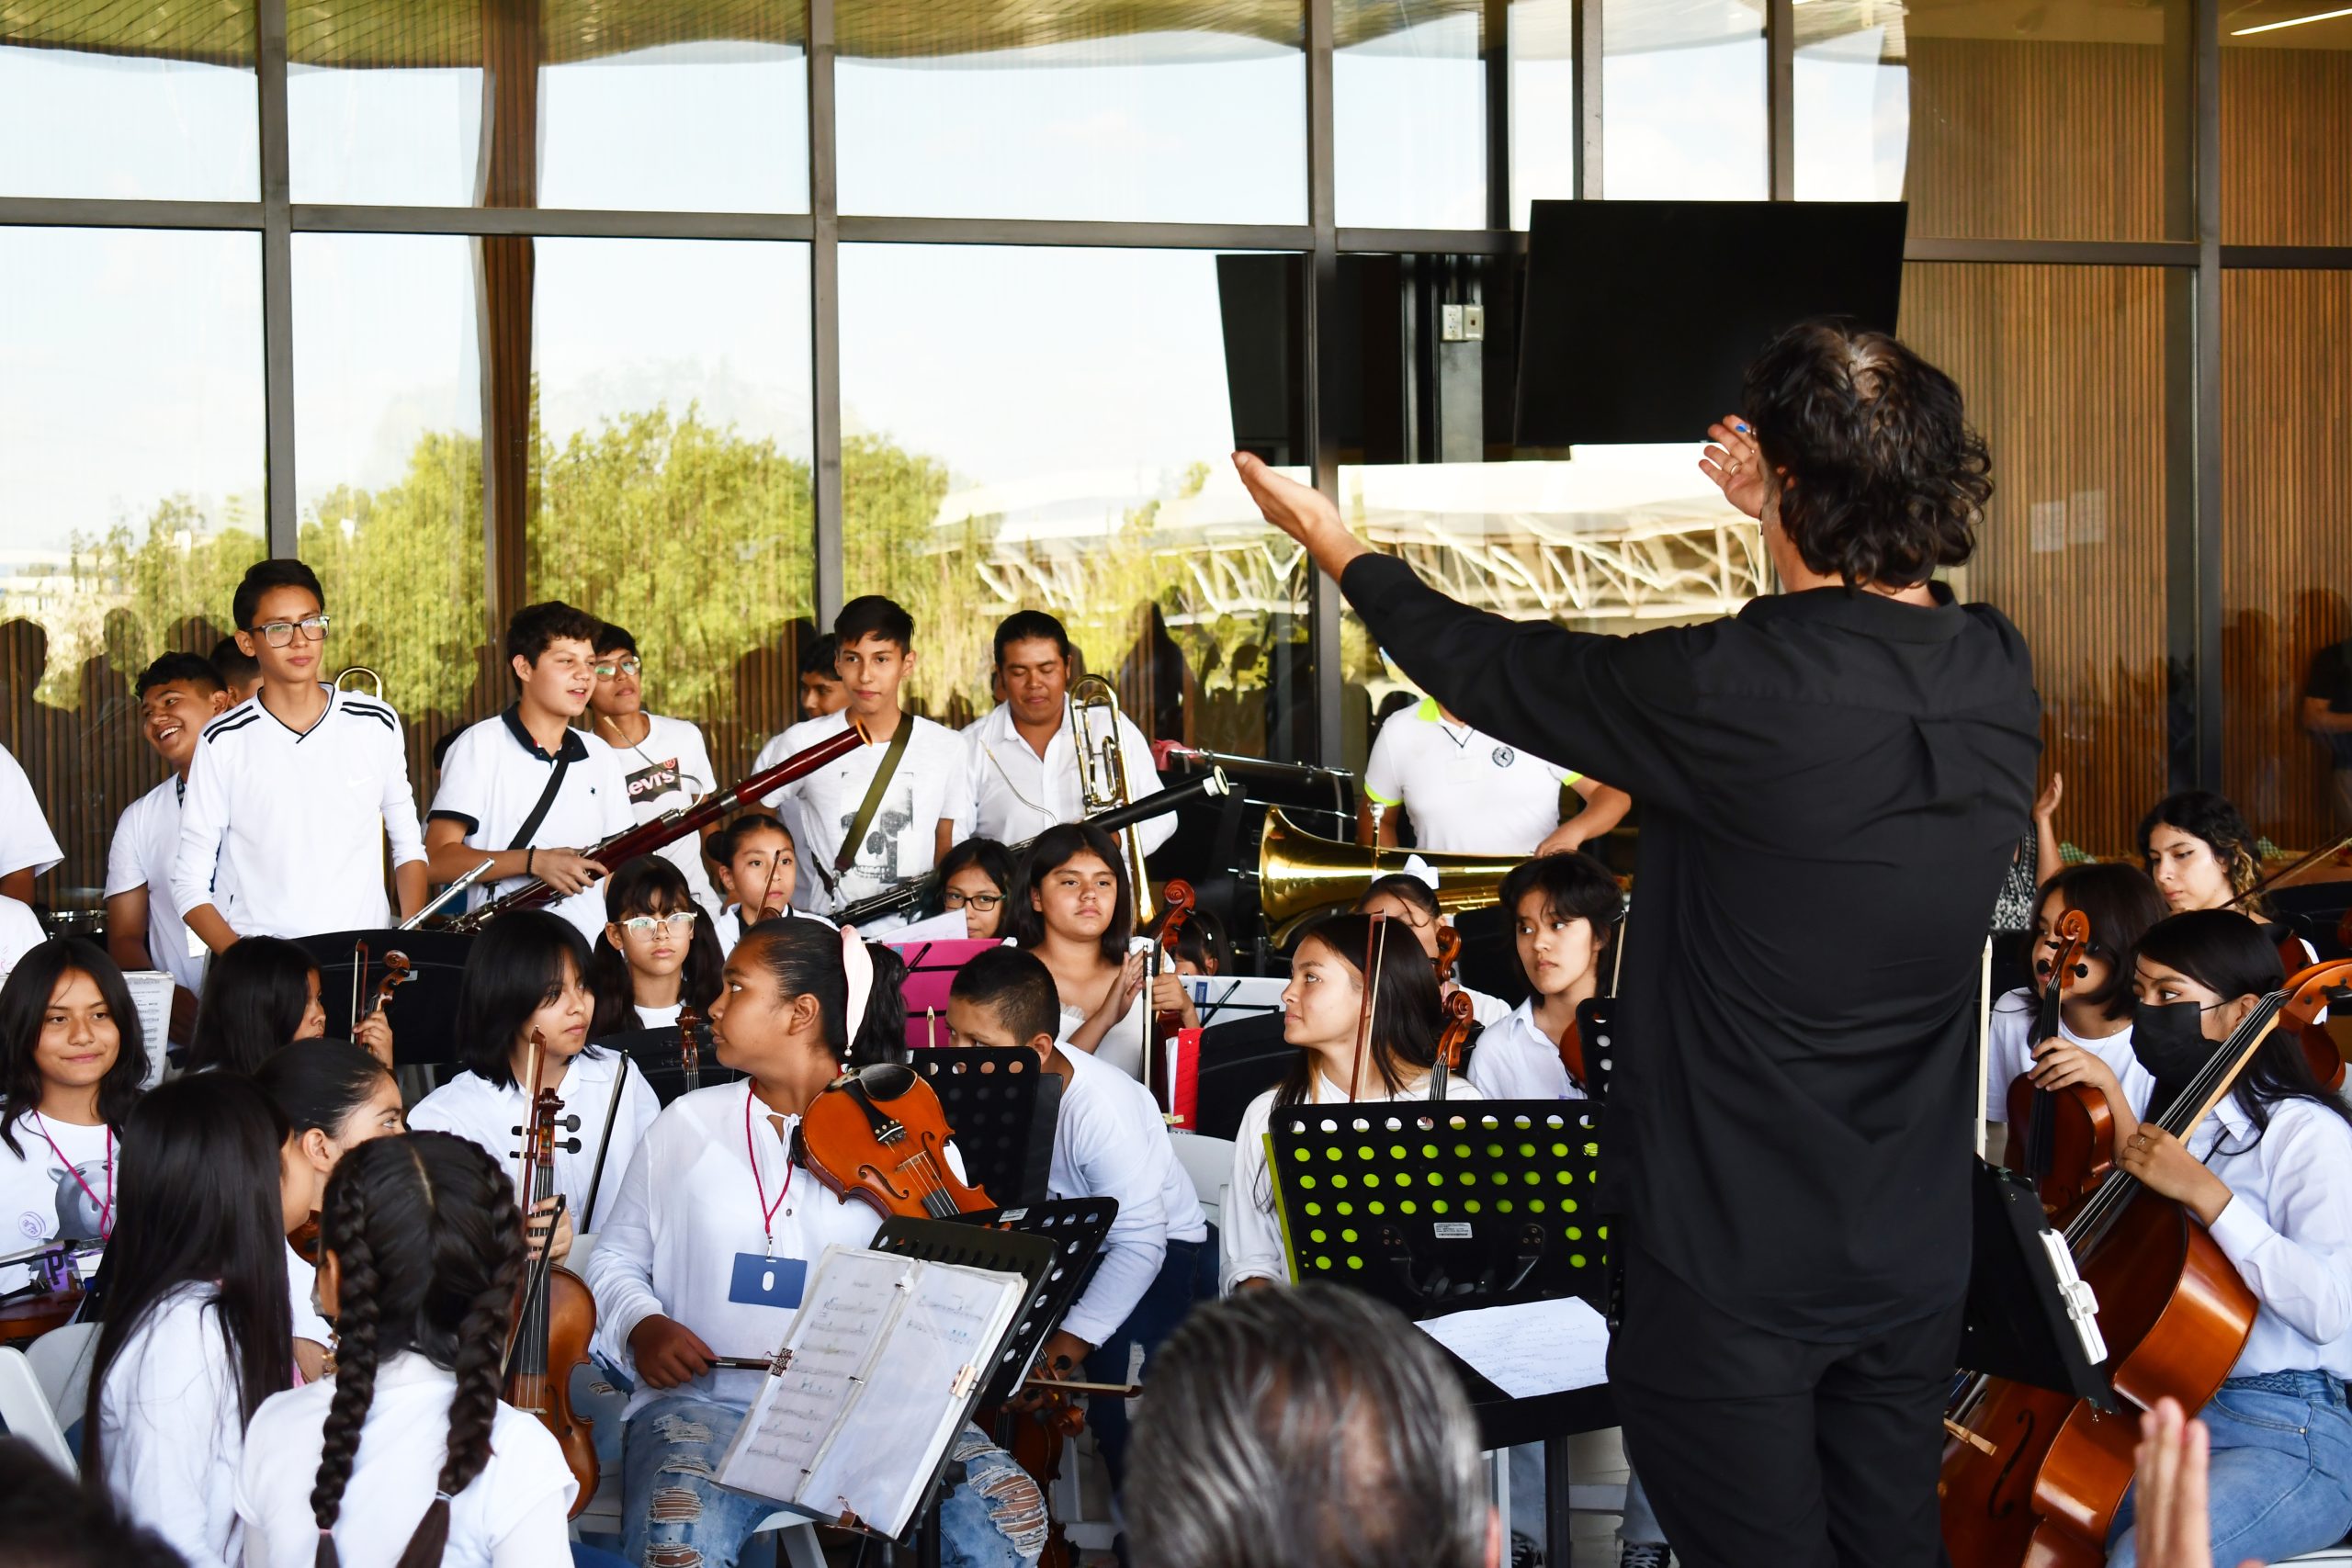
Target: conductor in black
column 1831, row 783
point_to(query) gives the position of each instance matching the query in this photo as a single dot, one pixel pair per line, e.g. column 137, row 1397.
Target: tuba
column 1102, row 774
column 1303, row 874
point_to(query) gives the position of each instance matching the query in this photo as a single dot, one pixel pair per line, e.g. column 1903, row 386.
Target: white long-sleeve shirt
column 171, row 1435
column 1516, row 1060
column 2007, row 1059
column 1105, row 1133
column 282, row 832
column 486, row 1115
column 1249, row 1234
column 2287, row 1229
column 1017, row 793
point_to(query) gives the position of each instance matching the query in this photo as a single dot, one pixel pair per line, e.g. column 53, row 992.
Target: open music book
column 874, row 1376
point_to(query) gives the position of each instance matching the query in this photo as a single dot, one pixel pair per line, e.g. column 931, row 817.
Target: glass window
column 988, row 466
column 1682, row 103
column 2044, row 124
column 131, row 432
column 130, row 102
column 1853, row 102
column 2064, row 372
column 1409, row 104
column 2286, row 123
column 1544, row 127
column 682, row 126
column 2286, row 554
column 388, row 400
column 671, row 469
column 993, row 112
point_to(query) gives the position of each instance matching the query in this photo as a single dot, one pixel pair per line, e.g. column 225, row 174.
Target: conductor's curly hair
column 1881, row 478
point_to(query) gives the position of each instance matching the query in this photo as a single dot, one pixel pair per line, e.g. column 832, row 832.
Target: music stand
column 931, row 970
column 424, row 1013
column 2016, row 1326
column 656, row 1054
column 1001, row 1104
column 1233, row 1065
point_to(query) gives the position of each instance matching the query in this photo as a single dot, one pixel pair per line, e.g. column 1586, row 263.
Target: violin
column 1034, row 1433
column 1179, row 901
column 556, row 1315
column 1461, row 1015
column 2034, row 1476
column 690, row 1042
column 879, row 1134
column 2069, row 1133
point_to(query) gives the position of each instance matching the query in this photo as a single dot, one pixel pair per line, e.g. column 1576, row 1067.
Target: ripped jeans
column 674, row 1515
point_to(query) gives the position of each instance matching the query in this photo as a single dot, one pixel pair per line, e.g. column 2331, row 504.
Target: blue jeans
column 1188, row 1274
column 2282, row 1481
column 674, row 1515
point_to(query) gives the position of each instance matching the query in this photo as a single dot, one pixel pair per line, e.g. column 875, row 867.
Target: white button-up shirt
column 1016, row 794
column 2287, row 1229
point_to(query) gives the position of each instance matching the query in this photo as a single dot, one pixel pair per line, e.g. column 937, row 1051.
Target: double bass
column 2035, row 1477
column 556, row 1316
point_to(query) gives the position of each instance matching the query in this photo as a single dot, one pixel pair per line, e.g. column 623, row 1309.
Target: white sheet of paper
column 150, row 993
column 949, row 927
column 1226, row 999
column 852, row 1296
column 1534, row 1348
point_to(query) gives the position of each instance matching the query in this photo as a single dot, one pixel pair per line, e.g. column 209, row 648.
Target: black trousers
column 1762, row 1452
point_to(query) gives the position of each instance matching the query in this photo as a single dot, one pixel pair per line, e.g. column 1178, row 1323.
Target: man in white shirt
column 178, row 695
column 855, row 840
column 524, row 790
column 293, row 793
column 27, row 848
column 1023, row 760
column 663, row 760
column 1470, row 794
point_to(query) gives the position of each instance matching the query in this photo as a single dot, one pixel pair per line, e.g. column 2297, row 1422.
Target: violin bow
column 1375, row 952
column 605, row 1141
column 2285, row 874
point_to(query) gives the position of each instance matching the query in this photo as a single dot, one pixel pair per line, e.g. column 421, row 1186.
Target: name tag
column 768, row 1281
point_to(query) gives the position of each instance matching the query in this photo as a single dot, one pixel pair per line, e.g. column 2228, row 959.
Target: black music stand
column 655, row 1051
column 1237, row 1063
column 424, row 1013
column 1439, row 1207
column 1001, row 1103
column 2016, row 1326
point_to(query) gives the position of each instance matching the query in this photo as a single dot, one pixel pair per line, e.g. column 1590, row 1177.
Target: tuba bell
column 1303, row 874
column 1094, row 720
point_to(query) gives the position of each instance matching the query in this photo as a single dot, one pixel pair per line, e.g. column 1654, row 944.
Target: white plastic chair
column 1209, row 1162
column 27, row 1412
column 61, row 1359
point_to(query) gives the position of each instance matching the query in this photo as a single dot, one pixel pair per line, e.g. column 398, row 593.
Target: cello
column 555, row 1317
column 2035, row 1477
column 2069, row 1132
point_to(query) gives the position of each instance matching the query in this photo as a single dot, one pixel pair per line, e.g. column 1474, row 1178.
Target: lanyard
column 767, row 1209
column 106, row 1208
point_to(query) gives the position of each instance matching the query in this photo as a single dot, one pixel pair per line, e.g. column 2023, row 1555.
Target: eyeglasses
column 629, row 667
column 277, row 633
column 676, row 921
column 983, row 902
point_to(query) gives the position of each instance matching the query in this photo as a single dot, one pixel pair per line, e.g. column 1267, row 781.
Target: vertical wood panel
column 2287, row 145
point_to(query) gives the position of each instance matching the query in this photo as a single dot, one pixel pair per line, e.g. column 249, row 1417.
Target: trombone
column 1103, row 775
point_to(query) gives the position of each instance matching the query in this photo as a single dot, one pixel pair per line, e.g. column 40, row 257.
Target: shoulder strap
column 547, row 798
column 847, row 856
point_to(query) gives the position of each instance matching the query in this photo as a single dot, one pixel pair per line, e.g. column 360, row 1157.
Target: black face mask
column 2169, row 1040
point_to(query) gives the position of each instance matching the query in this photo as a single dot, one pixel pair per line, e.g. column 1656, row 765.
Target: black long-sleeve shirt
column 1831, row 787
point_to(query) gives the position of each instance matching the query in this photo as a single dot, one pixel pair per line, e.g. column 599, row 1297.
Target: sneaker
column 1630, row 1555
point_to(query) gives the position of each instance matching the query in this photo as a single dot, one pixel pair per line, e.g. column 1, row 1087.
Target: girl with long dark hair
column 525, row 992
column 1321, row 1008
column 197, row 1334
column 656, row 953
column 1566, row 910
column 263, row 993
column 1071, row 905
column 976, row 877
column 73, row 1063
column 407, row 1456
column 1408, row 900
column 2269, row 1174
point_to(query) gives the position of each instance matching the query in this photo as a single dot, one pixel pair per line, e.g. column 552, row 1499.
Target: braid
column 356, row 1322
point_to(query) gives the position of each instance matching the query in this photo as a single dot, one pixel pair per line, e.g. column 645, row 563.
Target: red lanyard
column 106, row 1208
column 767, row 1209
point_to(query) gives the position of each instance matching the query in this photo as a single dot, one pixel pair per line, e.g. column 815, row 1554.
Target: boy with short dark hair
column 885, row 813
column 663, row 760
column 822, row 690
column 240, row 672
column 524, row 790
column 292, row 794
column 178, row 695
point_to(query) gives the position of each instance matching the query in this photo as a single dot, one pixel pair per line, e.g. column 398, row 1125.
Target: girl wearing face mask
column 1565, row 911
column 2270, row 1175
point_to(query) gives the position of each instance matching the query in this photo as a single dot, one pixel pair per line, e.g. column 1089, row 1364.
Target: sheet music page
column 839, row 1330
column 879, row 1465
column 1534, row 1348
column 150, row 993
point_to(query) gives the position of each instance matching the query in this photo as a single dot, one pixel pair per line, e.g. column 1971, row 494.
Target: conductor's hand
column 375, row 1033
column 668, row 1353
column 1301, row 511
column 1735, row 463
column 566, row 871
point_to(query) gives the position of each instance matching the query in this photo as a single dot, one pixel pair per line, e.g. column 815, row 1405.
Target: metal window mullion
column 2206, row 347
column 282, row 528
column 824, row 319
column 1322, row 327
column 1779, row 97
column 1585, row 44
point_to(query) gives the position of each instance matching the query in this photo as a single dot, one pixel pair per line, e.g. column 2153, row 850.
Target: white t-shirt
column 40, row 1199
column 1516, row 1060
column 494, row 774
column 1466, row 791
column 511, row 1516
column 20, row 932
column 1017, row 794
column 171, row 1433
column 901, row 841
column 1104, row 1130
column 670, row 768
column 2007, row 1059
column 486, row 1115
column 657, row 1018
column 25, row 838
column 146, row 842
column 300, row 1277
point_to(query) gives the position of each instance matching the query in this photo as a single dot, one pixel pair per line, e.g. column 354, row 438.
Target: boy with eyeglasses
column 663, row 760
column 293, row 793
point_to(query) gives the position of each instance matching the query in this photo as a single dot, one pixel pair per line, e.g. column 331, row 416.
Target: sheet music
column 852, row 1296
column 150, row 993
column 1532, row 1348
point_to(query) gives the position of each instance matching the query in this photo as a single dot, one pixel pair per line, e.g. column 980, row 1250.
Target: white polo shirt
column 494, row 774
column 900, row 842
column 671, row 768
column 146, row 842
column 1017, row 794
column 25, row 838
column 1466, row 791
column 282, row 832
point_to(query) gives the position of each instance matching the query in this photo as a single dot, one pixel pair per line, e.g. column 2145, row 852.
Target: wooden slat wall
column 2062, row 368
column 2287, row 145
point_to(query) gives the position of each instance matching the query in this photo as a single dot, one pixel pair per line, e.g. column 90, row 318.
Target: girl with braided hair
column 406, row 1456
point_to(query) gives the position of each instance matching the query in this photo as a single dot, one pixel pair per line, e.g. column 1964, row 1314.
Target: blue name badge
column 768, row 1281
